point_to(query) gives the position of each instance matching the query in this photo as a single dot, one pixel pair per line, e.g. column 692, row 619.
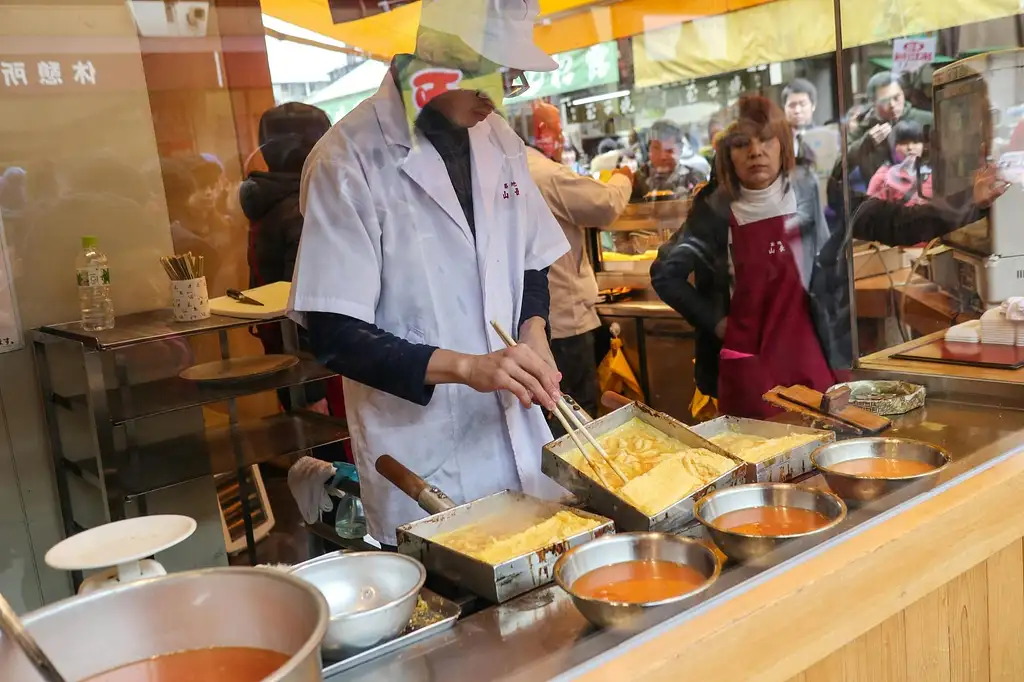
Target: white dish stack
column 1002, row 326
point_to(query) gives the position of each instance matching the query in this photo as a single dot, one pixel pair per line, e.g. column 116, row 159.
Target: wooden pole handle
column 614, row 401
column 404, row 479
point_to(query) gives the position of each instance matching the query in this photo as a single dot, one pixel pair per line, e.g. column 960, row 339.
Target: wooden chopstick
column 593, row 441
column 565, row 416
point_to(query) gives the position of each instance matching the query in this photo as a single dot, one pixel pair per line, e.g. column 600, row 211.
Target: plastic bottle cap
column 89, row 241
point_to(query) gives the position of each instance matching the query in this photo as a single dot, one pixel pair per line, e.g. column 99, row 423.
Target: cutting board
column 970, row 354
column 806, row 402
column 274, row 298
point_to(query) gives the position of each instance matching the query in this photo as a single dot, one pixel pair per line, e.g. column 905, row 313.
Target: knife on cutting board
column 242, row 298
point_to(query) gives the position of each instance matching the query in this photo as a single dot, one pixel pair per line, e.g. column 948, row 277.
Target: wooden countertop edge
column 783, row 626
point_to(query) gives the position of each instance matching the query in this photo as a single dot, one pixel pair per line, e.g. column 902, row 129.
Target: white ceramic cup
column 190, row 299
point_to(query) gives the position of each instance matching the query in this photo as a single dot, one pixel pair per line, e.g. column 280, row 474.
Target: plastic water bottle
column 94, row 288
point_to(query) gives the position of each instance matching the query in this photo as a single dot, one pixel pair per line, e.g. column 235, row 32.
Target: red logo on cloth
column 429, row 83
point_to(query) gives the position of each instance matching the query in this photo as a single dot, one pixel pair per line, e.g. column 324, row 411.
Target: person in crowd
column 577, row 202
column 907, row 179
column 870, row 143
column 415, row 238
column 672, row 165
column 769, row 296
column 800, row 101
column 270, row 200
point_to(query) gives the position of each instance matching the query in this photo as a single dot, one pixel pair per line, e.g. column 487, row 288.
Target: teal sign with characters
column 577, row 70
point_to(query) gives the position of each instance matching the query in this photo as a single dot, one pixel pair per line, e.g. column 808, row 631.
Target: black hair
column 907, row 131
column 288, row 133
column 881, row 80
column 800, row 86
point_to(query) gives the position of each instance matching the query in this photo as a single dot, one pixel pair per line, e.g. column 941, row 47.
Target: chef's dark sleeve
column 363, row 352
column 536, row 297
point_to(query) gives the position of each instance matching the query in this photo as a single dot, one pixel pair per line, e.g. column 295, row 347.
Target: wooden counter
column 930, row 594
column 883, row 363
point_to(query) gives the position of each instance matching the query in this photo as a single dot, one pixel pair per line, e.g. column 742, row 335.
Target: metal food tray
column 443, row 614
column 783, row 467
column 500, row 582
column 627, row 517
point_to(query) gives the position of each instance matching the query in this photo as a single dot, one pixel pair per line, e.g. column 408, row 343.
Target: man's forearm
column 365, row 353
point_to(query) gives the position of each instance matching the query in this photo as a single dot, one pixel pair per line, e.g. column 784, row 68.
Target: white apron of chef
column 385, row 240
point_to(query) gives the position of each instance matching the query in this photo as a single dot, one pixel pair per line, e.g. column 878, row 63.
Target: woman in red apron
column 755, row 240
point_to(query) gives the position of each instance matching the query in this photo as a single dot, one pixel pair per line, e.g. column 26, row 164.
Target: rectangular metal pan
column 603, row 501
column 501, row 582
column 782, row 467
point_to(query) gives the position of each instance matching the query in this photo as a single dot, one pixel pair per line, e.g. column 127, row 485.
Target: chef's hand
column 988, row 186
column 720, row 328
column 519, row 370
column 880, row 132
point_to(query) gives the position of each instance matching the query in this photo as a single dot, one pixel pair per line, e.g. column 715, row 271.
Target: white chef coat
column 577, row 202
column 386, row 241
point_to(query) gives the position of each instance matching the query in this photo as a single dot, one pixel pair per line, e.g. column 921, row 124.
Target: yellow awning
column 571, row 24
column 872, row 21
column 773, row 32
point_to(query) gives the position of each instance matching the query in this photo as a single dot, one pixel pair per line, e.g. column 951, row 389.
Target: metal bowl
column 862, row 489
column 751, row 548
column 616, row 549
column 371, row 595
column 216, row 607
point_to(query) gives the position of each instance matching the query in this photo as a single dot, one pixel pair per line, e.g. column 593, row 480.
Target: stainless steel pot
column 236, row 607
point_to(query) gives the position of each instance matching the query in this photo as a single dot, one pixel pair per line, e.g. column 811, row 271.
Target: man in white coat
column 577, row 202
column 415, row 238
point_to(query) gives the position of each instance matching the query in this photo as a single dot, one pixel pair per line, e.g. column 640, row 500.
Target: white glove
column 306, row 480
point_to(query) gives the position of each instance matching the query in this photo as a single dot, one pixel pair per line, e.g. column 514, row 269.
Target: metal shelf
column 168, row 463
column 172, row 394
column 152, row 325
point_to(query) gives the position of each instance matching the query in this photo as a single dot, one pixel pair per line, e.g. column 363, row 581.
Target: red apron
column 770, row 339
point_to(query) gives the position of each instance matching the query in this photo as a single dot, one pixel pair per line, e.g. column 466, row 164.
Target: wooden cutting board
column 806, row 402
column 274, row 298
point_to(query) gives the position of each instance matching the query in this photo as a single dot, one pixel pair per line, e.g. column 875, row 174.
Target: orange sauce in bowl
column 216, row 664
column 771, row 521
column 881, row 467
column 638, row 582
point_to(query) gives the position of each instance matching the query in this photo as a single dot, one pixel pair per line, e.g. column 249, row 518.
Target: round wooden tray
column 238, row 369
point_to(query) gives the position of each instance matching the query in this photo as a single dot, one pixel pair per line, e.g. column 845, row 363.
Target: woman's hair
column 755, row 116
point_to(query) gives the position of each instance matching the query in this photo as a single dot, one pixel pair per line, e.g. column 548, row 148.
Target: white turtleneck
column 760, row 204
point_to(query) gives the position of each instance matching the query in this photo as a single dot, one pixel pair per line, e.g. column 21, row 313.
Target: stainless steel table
column 541, row 635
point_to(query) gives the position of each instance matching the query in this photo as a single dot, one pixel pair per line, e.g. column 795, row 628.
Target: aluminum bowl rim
column 341, row 554
column 942, row 452
column 715, row 573
column 698, row 508
column 309, row 647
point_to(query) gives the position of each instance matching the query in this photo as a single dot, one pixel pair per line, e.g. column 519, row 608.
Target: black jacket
column 271, row 203
column 699, row 250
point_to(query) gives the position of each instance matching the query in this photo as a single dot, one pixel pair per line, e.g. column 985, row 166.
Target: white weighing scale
column 121, row 548
column 977, row 116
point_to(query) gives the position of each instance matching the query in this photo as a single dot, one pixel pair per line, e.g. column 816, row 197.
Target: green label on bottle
column 93, row 277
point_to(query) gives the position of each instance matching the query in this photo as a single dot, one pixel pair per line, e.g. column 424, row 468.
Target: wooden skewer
column 565, row 416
